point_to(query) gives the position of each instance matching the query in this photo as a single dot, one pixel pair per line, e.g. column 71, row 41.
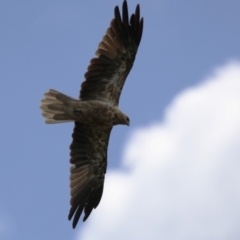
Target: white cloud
column 183, row 173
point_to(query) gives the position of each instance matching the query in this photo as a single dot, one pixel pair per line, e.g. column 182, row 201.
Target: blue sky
column 48, row 44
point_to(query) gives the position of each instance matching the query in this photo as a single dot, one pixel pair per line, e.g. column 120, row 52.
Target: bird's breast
column 96, row 113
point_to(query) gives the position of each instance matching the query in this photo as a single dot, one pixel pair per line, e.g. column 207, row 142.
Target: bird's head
column 121, row 118
column 127, row 120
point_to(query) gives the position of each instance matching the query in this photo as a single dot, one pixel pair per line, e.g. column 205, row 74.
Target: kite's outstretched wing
column 115, row 56
column 89, row 159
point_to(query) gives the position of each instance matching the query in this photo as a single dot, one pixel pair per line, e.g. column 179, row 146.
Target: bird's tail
column 56, row 107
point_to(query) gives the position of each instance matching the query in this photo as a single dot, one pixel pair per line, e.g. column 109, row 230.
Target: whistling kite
column 96, row 111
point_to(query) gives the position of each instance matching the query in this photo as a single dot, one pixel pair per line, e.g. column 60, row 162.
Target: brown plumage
column 96, row 111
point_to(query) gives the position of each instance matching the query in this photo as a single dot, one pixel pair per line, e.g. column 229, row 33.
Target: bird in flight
column 96, row 111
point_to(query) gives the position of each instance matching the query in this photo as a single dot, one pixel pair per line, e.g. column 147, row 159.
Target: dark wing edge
column 116, row 53
column 89, row 163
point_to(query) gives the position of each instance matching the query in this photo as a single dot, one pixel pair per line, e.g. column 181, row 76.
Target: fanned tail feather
column 56, row 107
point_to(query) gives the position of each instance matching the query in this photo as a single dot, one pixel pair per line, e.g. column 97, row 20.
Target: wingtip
column 117, row 14
column 74, row 225
column 139, row 37
column 125, row 13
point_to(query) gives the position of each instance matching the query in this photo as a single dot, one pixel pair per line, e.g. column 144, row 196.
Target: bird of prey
column 96, row 111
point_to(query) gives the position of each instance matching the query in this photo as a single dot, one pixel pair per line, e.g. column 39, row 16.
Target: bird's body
column 58, row 107
column 96, row 111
